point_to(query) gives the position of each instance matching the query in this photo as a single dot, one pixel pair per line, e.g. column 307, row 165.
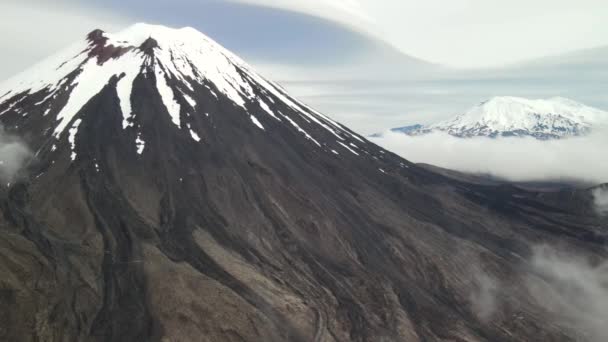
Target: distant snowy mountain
column 505, row 116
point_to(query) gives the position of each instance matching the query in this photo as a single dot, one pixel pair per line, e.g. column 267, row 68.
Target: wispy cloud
column 13, row 154
column 516, row 159
column 570, row 289
column 348, row 12
column 600, row 197
column 573, row 289
column 467, row 33
column 484, row 296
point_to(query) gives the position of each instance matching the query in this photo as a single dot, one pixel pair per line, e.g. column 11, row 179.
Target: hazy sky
column 460, row 33
column 354, row 59
column 469, row 33
column 378, row 64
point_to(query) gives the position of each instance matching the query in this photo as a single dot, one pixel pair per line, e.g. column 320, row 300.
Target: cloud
column 13, row 155
column 514, row 159
column 573, row 289
column 600, row 197
column 484, row 297
column 370, row 106
column 347, row 12
column 467, row 33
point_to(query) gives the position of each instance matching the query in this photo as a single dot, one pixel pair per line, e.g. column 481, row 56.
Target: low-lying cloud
column 484, row 297
column 569, row 288
column 13, row 155
column 600, row 197
column 573, row 289
column 514, row 159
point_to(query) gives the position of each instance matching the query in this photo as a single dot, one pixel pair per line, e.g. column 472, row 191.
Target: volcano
column 174, row 194
column 508, row 116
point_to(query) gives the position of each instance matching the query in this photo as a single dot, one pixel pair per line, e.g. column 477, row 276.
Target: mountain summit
column 506, row 116
column 185, row 64
column 176, row 195
column 514, row 116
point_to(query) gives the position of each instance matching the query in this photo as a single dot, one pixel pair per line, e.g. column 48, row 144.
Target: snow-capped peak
column 185, row 54
column 515, row 116
column 184, row 61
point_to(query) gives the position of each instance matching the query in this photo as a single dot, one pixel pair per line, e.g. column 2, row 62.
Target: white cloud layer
column 515, row 159
column 13, row 155
column 600, row 197
column 346, row 12
column 484, row 296
column 573, row 289
column 468, row 33
column 569, row 287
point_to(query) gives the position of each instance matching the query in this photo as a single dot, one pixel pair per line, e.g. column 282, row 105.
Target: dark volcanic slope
column 269, row 223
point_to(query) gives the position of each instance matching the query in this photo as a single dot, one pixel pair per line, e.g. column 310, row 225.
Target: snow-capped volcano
column 183, row 61
column 515, row 116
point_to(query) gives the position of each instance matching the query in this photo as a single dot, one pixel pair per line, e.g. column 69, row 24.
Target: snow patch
column 193, row 134
column 124, row 89
column 293, row 123
column 267, row 109
column 11, row 106
column 46, row 98
column 91, row 80
column 256, row 122
column 190, row 100
column 140, row 144
column 72, row 137
column 47, row 73
column 168, row 97
column 348, row 148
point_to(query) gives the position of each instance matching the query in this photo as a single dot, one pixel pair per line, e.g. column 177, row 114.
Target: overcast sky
column 461, row 33
column 362, row 62
column 469, row 33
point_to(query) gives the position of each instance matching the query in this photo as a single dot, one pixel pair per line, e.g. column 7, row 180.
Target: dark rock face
column 148, row 46
column 103, row 51
column 96, row 36
column 259, row 235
